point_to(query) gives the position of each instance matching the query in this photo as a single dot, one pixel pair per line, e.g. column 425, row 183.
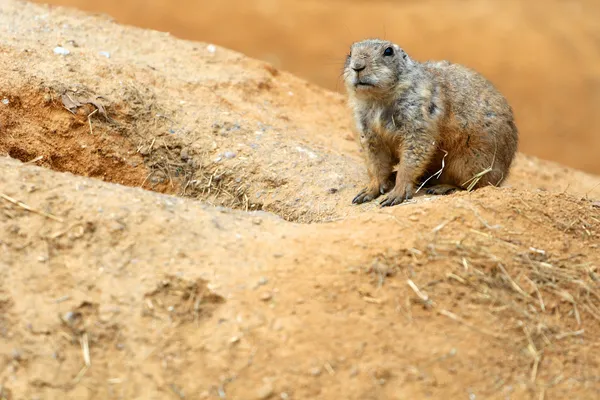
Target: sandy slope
column 177, row 298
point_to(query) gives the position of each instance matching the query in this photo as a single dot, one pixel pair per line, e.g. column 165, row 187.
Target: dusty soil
column 251, row 276
column 543, row 54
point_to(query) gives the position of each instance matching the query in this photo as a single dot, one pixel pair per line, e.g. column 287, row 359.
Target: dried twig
column 569, row 334
column 423, row 296
column 437, row 174
column 38, row 158
column 85, row 349
column 89, row 118
column 456, row 318
column 28, row 208
column 514, row 284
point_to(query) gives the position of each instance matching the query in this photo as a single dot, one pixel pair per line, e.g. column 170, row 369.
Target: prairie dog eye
column 388, row 52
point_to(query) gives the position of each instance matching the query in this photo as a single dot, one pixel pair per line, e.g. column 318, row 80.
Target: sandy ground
column 543, row 54
column 245, row 273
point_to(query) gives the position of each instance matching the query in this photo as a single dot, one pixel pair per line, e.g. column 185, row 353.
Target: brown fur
column 412, row 117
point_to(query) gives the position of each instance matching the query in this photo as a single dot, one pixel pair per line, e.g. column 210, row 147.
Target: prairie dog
column 415, row 118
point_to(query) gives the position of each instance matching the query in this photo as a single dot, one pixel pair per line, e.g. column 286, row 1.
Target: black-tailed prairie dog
column 433, row 123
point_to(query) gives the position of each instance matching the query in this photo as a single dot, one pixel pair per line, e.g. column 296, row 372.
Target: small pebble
column 185, row 155
column 264, row 392
column 5, row 101
column 263, row 281
column 61, row 51
column 266, row 296
column 104, row 54
column 315, row 371
column 277, row 325
column 229, row 155
column 70, row 317
column 211, row 48
column 17, row 355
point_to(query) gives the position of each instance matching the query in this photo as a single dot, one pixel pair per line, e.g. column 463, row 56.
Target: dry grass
column 549, row 301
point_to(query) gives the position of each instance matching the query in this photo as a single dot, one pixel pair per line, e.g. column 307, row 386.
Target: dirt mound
column 111, row 291
column 542, row 54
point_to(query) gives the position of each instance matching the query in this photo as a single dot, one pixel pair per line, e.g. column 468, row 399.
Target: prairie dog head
column 374, row 67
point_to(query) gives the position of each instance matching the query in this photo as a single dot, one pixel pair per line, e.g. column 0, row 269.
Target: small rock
column 264, row 392
column 263, row 281
column 277, row 325
column 284, row 396
column 104, row 54
column 184, row 155
column 266, row 296
column 211, row 48
column 61, row 51
column 5, row 101
column 17, row 354
column 229, row 155
column 315, row 371
column 116, row 226
column 332, row 190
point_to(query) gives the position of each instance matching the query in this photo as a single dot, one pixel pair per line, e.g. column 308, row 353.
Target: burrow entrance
column 77, row 137
column 87, row 135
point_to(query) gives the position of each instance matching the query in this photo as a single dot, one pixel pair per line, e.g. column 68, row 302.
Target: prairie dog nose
column 358, row 66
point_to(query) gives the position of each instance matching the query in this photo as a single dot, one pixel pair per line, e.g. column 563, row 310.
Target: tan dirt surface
column 250, row 275
column 543, row 54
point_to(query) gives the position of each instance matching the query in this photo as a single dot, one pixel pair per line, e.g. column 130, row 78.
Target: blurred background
column 544, row 55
